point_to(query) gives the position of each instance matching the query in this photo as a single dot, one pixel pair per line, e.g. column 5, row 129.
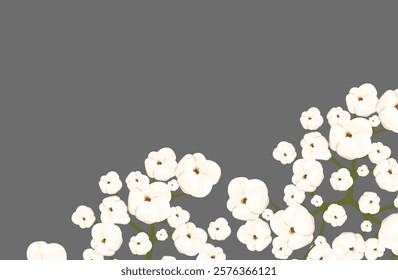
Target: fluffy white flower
column 320, row 241
column 107, row 239
column 247, row 198
column 386, row 174
column 114, row 210
column 196, row 175
column 369, row 203
column 161, row 164
column 336, row 115
column 321, row 252
column 362, row 100
column 351, row 139
column 136, row 179
column 317, row 200
column 189, row 239
column 307, row 174
column 83, row 216
column 150, row 204
column 178, row 216
column 374, row 249
column 295, row 225
column 168, row 258
column 335, row 215
column 379, row 152
column 341, row 180
column 161, row 235
column 311, row 119
column 173, row 185
column 363, row 170
column 280, row 249
column 374, row 121
column 315, row 146
column 388, row 110
column 256, row 235
column 388, row 233
column 284, row 152
column 267, row 214
column 41, row 250
column 140, row 244
column 110, row 183
column 366, row 226
column 293, row 195
column 91, row 255
column 349, row 246
column 209, row 252
column 219, row 229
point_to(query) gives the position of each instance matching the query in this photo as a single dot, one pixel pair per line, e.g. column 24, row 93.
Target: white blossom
column 307, row 174
column 349, row 246
column 173, row 185
column 366, row 226
column 178, row 216
column 369, row 203
column 161, row 235
column 374, row 249
column 209, row 252
column 161, row 165
column 106, row 239
column 110, row 183
column 280, row 248
column 91, row 255
column 379, row 152
column 388, row 233
column 374, row 121
column 189, row 239
column 284, row 152
column 363, row 170
column 140, row 244
column 267, row 214
column 40, row 250
column 386, row 174
column 321, row 252
column 362, row 100
column 219, row 229
column 293, row 195
column 336, row 115
column 83, row 216
column 335, row 215
column 136, row 179
column 311, row 119
column 114, row 210
column 387, row 108
column 315, row 146
column 320, row 241
column 317, row 200
column 256, row 235
column 341, row 180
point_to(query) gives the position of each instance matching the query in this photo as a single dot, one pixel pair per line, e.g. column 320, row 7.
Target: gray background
column 91, row 87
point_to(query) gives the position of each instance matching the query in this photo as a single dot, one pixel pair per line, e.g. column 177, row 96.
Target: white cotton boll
column 363, row 170
column 374, row 249
column 41, row 250
column 293, row 195
column 114, row 210
column 161, row 235
column 136, row 179
column 219, row 229
column 386, row 175
column 307, row 174
column 369, row 203
column 374, row 121
column 388, row 233
column 317, row 201
column 387, row 108
column 341, row 180
column 284, row 152
column 110, row 183
column 379, row 152
column 362, row 100
column 189, row 239
column 178, row 216
column 106, row 239
column 140, row 244
column 161, row 165
column 311, row 119
column 267, row 214
column 349, row 246
column 366, row 226
column 91, row 255
column 209, row 252
column 173, row 185
column 336, row 115
column 335, row 215
column 256, row 235
column 83, row 216
column 280, row 248
column 315, row 146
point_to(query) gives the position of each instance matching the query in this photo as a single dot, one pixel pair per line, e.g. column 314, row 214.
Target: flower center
column 338, row 116
column 305, row 176
column 111, row 209
column 309, row 118
column 103, row 240
column 292, row 196
column 360, row 98
column 196, row 170
column 177, row 215
column 138, row 243
column 147, row 198
column 312, row 145
column 389, row 171
column 159, row 162
column 217, row 228
column 335, row 217
column 108, row 182
column 84, row 218
column 371, row 201
column 213, row 257
column 352, row 249
column 243, row 201
column 348, row 134
column 137, row 180
column 189, row 235
column 291, row 230
column 255, row 237
column 321, row 258
column 396, row 106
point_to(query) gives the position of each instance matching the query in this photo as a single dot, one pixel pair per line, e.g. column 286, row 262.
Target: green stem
column 273, row 204
column 110, row 258
column 387, row 207
column 134, row 226
column 177, row 195
column 336, row 162
column 375, row 131
column 322, row 229
column 308, row 251
column 152, row 238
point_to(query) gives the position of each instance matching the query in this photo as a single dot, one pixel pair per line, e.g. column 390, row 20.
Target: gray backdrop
column 91, row 87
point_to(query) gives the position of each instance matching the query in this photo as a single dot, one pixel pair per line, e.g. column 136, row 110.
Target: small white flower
column 189, row 239
column 335, row 215
column 386, row 174
column 320, row 241
column 369, row 203
column 379, row 152
column 91, row 255
column 362, row 100
column 388, row 233
column 219, row 229
column 107, row 239
column 178, row 216
column 41, row 250
column 311, row 119
column 374, row 249
column 140, row 244
column 161, row 164
column 168, row 258
column 307, row 174
column 388, row 110
column 336, row 115
column 317, row 200
column 315, row 146
column 349, row 246
column 321, row 252
column 110, row 183
column 280, row 249
column 161, row 235
column 209, row 252
column 363, row 170
column 83, row 217
column 267, row 214
column 284, row 152
column 173, row 185
column 256, row 235
column 293, row 195
column 366, row 226
column 396, row 202
column 136, row 179
column 374, row 121
column 341, row 180
column 114, row 210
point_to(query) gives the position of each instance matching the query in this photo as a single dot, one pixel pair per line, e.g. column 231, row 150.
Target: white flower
column 320, row 241
column 168, row 258
column 363, row 170
column 351, row 139
column 388, row 233
column 114, row 210
column 91, row 255
column 335, row 215
column 136, row 179
column 308, row 174
column 317, row 200
column 150, row 204
column 379, row 152
column 396, row 202
column 41, row 250
column 315, row 146
column 173, row 185
column 386, row 174
column 366, row 226
column 267, row 214
column 189, row 239
column 280, row 249
column 295, row 225
column 83, row 217
column 247, row 198
column 161, row 235
column 284, row 152
column 209, row 252
column 337, row 115
column 196, row 175
column 107, row 239
column 362, row 101
column 311, row 119
column 140, row 244
column 219, row 229
column 178, row 216
column 374, row 249
column 341, row 180
column 374, row 121
column 369, row 203
column 256, row 235
column 349, row 246
column 293, row 195
column 110, row 183
column 161, row 164
column 321, row 252
column 388, row 110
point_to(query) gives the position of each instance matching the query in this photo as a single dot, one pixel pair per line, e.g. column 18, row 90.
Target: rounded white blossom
column 321, row 252
column 293, row 195
column 388, row 233
column 335, row 215
column 178, row 216
column 161, row 165
column 110, row 183
column 387, row 108
column 374, row 121
column 369, row 203
column 363, row 170
column 219, row 229
column 386, row 174
column 280, row 248
column 256, row 235
column 161, row 235
column 362, row 100
column 374, row 249
column 311, row 119
column 91, row 255
column 341, row 180
column 379, row 152
column 366, row 226
column 83, row 216
column 336, row 115
column 267, row 214
column 307, row 174
column 41, row 250
column 106, row 239
column 140, row 244
column 320, row 241
column 189, row 239
column 114, row 210
column 136, row 179
column 285, row 152
column 196, row 175
column 209, row 252
column 349, row 246
column 173, row 185
column 317, row 200
column 315, row 146
column 168, row 258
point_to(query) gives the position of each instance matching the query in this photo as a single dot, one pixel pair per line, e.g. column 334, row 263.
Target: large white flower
column 388, row 110
column 161, row 164
column 83, row 216
column 178, row 216
column 315, row 146
column 196, row 175
column 379, row 152
column 107, row 239
column 369, row 203
column 284, row 152
column 351, row 139
column 150, row 204
column 110, row 183
column 219, row 229
column 280, row 249
column 209, row 252
column 91, row 255
column 41, row 250
column 293, row 195
column 362, row 100
column 336, row 115
column 256, row 235
column 247, row 198
column 341, row 180
column 114, row 210
column 294, row 224
column 140, row 244
column 189, row 239
column 386, row 174
column 136, row 179
column 311, row 119
column 349, row 246
column 335, row 215
column 388, row 233
column 308, row 174
column 374, row 249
